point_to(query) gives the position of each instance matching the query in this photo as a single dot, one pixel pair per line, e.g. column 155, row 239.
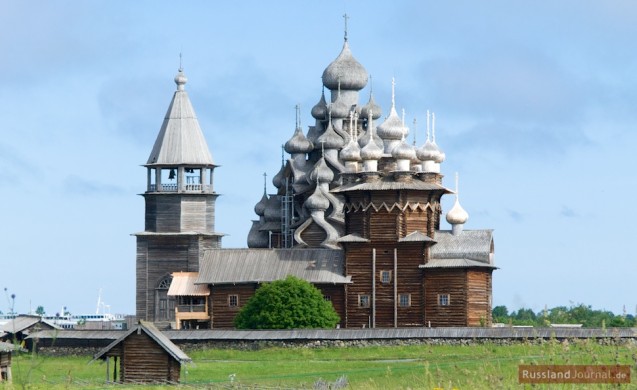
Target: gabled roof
column 22, row 323
column 180, row 140
column 352, row 238
column 416, row 236
column 469, row 248
column 183, row 284
column 232, row 266
column 156, row 335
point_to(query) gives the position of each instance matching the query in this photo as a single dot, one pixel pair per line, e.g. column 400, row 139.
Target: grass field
column 478, row 366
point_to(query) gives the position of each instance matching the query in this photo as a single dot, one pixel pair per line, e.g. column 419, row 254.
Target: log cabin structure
column 143, row 355
column 179, row 208
column 357, row 211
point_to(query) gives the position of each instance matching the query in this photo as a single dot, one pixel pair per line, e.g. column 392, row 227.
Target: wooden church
column 357, row 212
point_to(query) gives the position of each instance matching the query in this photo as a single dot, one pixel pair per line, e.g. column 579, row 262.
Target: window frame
column 361, row 298
column 389, row 277
column 444, row 300
column 400, row 300
column 230, row 299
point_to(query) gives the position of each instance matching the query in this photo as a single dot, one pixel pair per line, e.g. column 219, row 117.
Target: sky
column 535, row 102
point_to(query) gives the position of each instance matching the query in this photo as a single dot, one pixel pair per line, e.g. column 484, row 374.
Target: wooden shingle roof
column 231, row 266
column 180, row 140
column 470, row 248
column 155, row 334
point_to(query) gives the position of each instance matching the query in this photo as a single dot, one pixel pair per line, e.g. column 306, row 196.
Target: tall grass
column 478, row 366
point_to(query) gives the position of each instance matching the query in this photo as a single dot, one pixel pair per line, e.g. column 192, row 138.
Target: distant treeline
column 575, row 314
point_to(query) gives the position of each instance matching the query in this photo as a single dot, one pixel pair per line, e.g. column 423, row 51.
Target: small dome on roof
column 351, row 151
column 346, row 69
column 403, row 151
column 181, row 79
column 330, row 139
column 371, row 150
column 428, row 152
column 277, row 180
column 457, row 215
column 320, row 173
column 298, row 143
column 392, row 128
column 319, row 111
column 272, row 211
column 372, row 107
column 259, row 208
column 317, row 201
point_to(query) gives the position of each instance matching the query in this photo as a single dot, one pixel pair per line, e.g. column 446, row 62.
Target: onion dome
column 440, row 156
column 321, row 173
column 457, row 215
column 403, row 151
column 330, row 139
column 317, row 201
column 371, row 150
column 346, row 69
column 428, row 152
column 372, row 107
column 351, row 151
column 392, row 128
column 259, row 208
column 319, row 111
column 272, row 211
column 277, row 180
column 256, row 237
column 180, row 80
column 298, row 143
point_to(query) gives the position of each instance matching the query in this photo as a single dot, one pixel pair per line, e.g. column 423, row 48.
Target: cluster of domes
column 344, row 145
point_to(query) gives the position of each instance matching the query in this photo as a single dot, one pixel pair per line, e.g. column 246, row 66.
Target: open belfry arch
column 356, row 211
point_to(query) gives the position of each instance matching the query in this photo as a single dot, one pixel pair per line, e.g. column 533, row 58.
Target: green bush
column 291, row 303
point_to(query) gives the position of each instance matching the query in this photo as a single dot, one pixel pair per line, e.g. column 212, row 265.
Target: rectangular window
column 327, row 298
column 404, row 300
column 385, row 277
column 443, row 299
column 233, row 300
column 363, row 301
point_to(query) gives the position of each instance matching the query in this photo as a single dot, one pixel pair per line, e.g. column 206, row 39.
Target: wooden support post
column 395, row 287
column 108, row 368
column 373, row 287
column 115, row 369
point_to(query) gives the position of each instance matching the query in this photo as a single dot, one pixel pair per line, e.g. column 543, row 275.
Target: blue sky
column 535, row 105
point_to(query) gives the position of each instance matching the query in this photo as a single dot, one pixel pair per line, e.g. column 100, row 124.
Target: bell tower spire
column 179, row 202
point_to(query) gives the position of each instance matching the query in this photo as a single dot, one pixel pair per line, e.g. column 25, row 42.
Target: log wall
column 222, row 315
column 479, row 297
column 143, row 360
column 452, row 282
column 175, row 212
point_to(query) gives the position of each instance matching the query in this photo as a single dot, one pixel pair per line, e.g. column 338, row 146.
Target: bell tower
column 179, row 208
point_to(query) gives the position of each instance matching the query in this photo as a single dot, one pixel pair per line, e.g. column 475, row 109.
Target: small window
column 233, row 300
column 443, row 299
column 404, row 300
column 363, row 301
column 327, row 298
column 385, row 277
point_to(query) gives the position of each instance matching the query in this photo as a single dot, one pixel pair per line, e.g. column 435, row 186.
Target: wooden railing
column 200, row 308
column 173, row 188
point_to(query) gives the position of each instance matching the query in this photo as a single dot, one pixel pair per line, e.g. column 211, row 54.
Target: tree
column 290, row 303
column 40, row 311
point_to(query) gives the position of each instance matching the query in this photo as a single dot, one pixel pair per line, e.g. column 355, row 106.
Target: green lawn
column 479, row 366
